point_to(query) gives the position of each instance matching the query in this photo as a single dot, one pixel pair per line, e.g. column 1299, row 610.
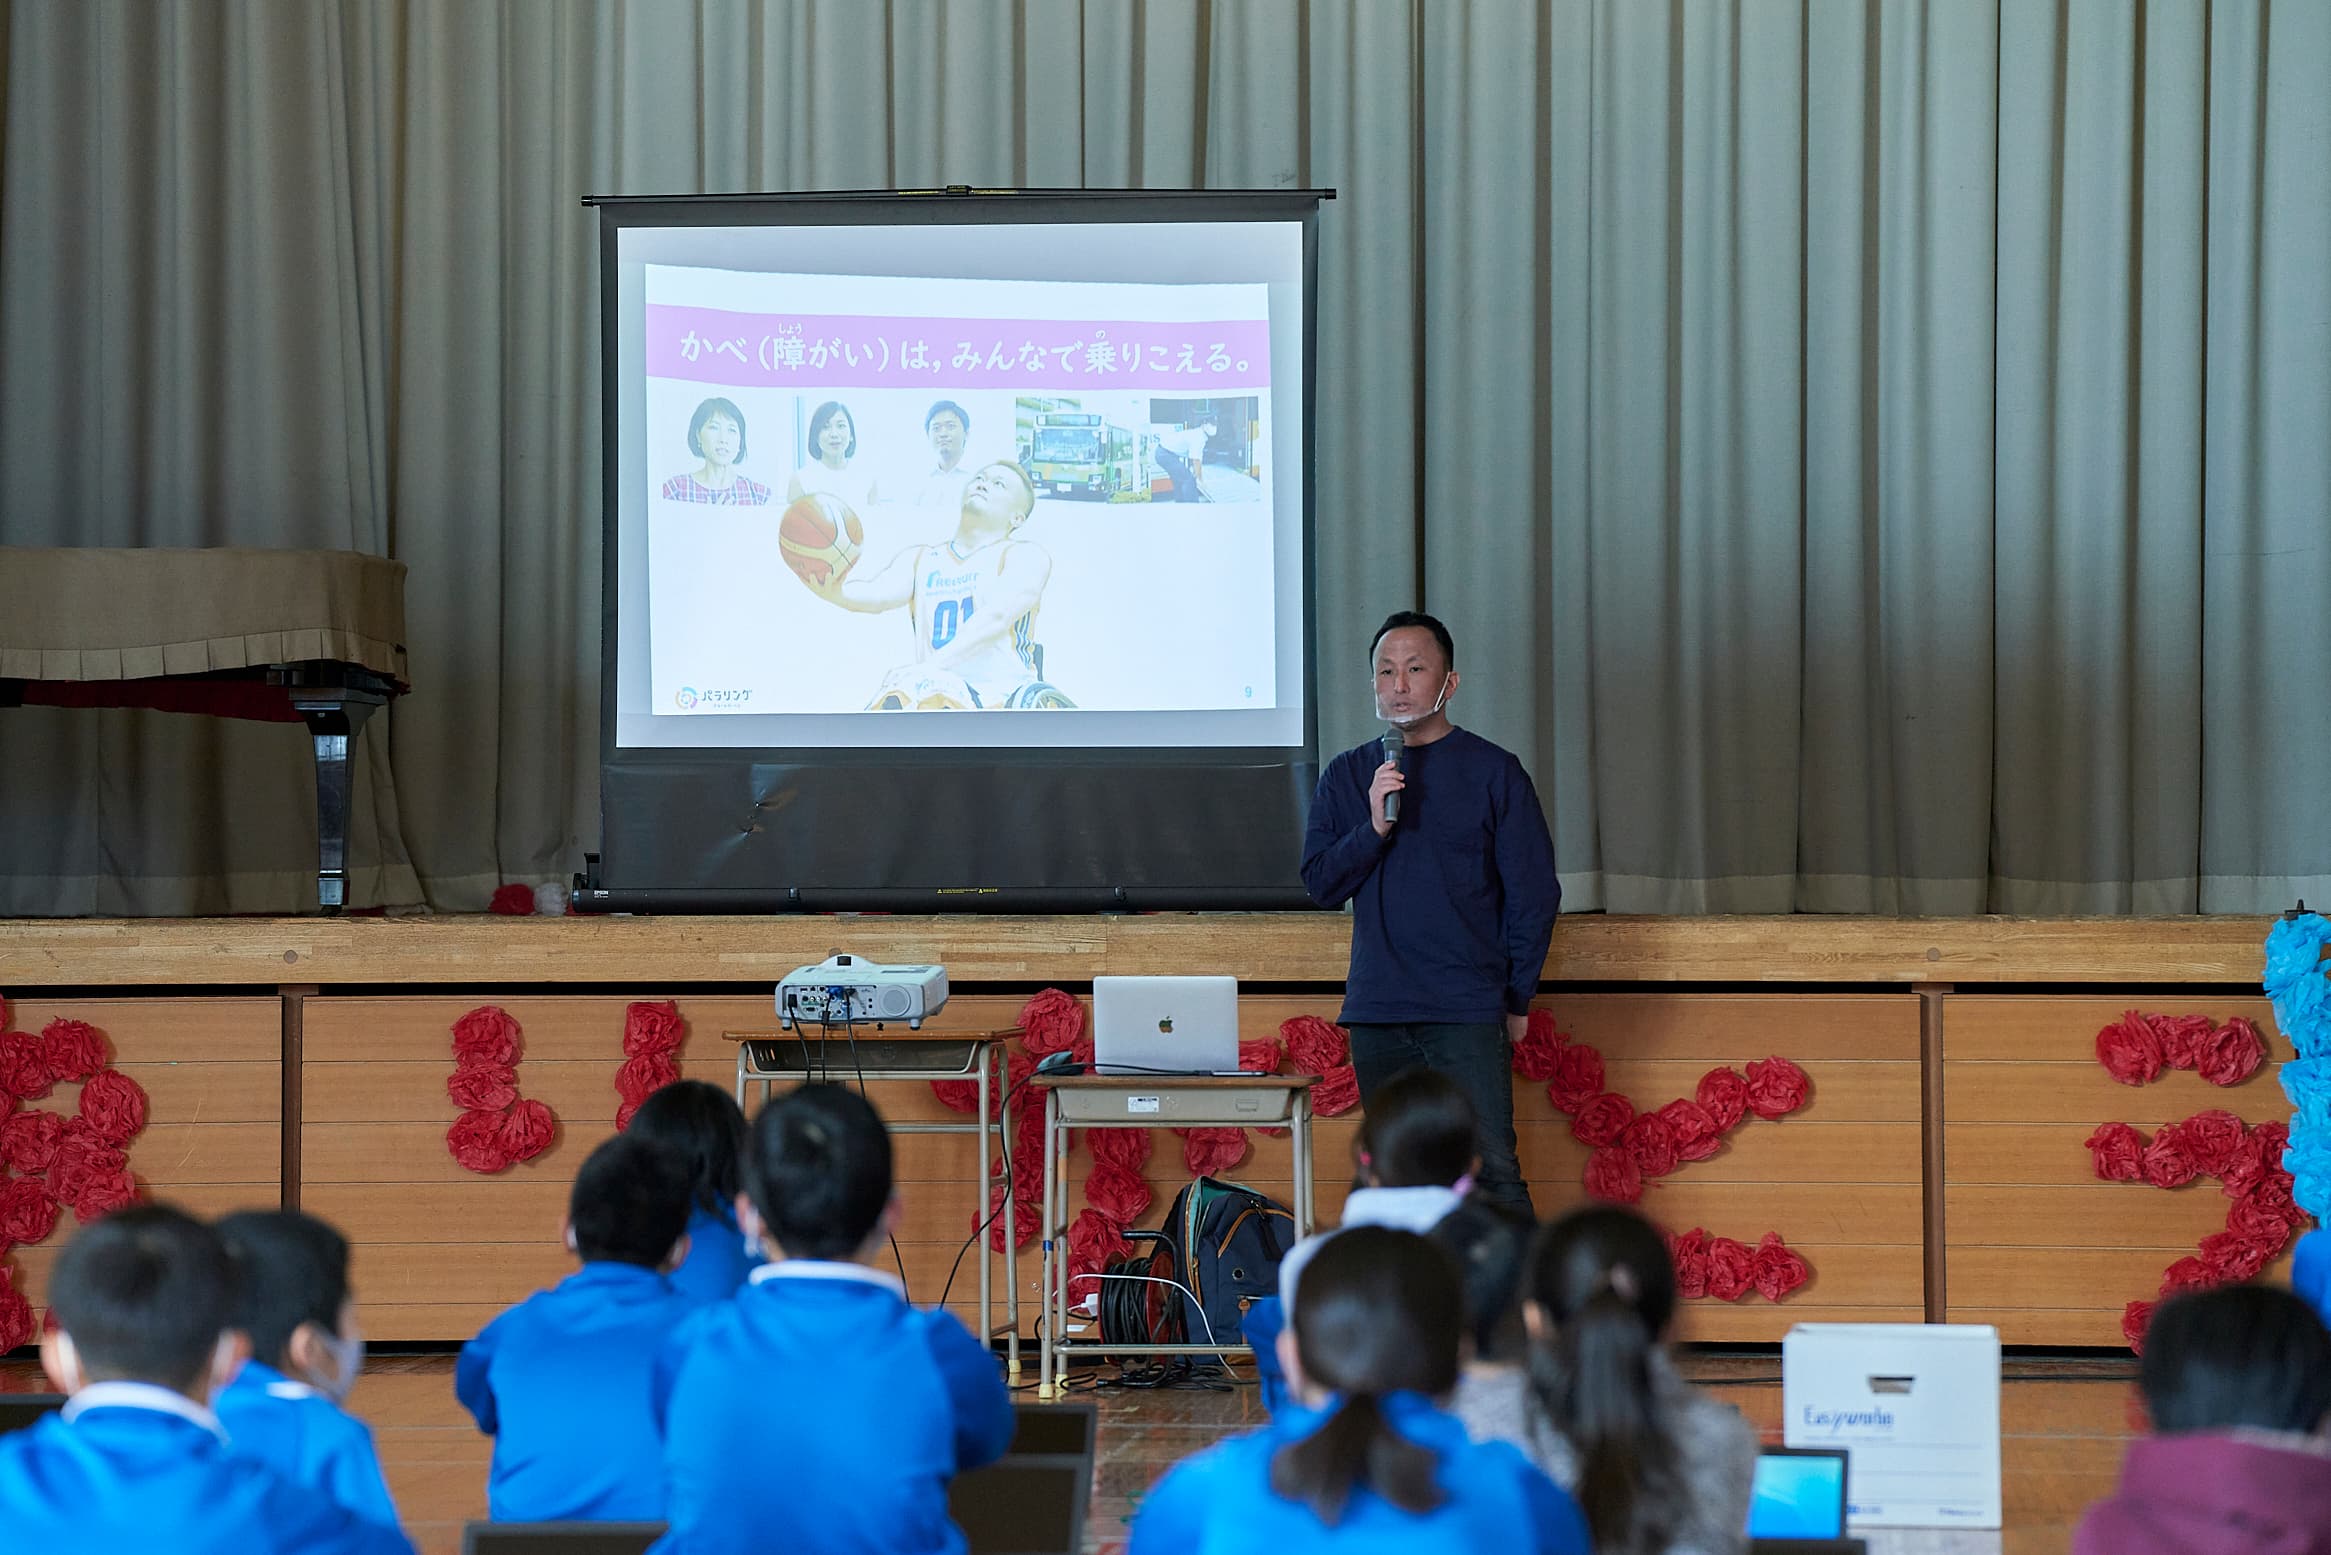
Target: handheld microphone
column 1395, row 747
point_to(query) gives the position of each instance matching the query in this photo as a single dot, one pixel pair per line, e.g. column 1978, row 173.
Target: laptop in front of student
column 1165, row 1025
column 1797, row 1503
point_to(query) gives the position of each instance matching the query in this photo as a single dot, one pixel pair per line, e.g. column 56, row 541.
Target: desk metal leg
column 1300, row 1131
column 1048, row 1379
column 1011, row 1229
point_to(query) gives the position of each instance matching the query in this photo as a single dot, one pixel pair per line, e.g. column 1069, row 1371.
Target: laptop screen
column 1797, row 1495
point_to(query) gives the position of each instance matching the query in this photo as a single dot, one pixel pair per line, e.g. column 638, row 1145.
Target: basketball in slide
column 819, row 537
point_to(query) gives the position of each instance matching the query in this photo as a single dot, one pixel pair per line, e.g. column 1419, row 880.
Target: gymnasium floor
column 2066, row 1421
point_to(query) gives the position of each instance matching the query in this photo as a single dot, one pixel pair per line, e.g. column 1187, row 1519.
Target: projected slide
column 876, row 495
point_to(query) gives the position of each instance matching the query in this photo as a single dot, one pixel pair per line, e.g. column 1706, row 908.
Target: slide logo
column 685, row 697
column 689, row 698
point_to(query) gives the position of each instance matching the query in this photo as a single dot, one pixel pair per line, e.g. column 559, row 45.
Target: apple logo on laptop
column 1166, row 1024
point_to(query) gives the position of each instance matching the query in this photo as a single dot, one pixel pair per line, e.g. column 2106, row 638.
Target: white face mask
column 347, row 1363
column 1413, row 719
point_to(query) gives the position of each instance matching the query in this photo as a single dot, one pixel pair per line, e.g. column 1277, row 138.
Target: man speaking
column 1435, row 837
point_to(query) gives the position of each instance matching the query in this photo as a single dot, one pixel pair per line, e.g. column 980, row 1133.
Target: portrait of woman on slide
column 833, row 444
column 716, row 435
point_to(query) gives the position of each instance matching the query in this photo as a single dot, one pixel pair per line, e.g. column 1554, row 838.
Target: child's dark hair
column 2239, row 1355
column 629, row 1203
column 704, row 1127
column 819, row 1171
column 144, row 1295
column 1489, row 1244
column 1417, row 1132
column 291, row 1269
column 1605, row 1281
column 1375, row 1314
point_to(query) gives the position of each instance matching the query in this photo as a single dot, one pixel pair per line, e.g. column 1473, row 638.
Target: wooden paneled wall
column 213, row 1074
column 2033, row 1241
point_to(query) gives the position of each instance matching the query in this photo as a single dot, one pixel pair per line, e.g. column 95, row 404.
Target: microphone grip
column 1391, row 808
column 1395, row 746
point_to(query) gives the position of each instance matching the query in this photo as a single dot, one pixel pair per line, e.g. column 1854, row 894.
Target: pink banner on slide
column 859, row 351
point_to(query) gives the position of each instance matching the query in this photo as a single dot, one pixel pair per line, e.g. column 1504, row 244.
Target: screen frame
column 953, row 206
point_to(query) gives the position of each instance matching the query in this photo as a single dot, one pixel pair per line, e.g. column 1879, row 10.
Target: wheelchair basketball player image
column 973, row 602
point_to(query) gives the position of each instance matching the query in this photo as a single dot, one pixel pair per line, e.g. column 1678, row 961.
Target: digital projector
column 842, row 989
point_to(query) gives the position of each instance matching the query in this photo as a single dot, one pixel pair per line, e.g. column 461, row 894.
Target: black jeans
column 1480, row 1060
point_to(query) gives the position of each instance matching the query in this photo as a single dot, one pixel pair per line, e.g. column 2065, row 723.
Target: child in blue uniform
column 560, row 1381
column 703, row 1126
column 136, row 1461
column 283, row 1407
column 818, row 1411
column 1368, row 1463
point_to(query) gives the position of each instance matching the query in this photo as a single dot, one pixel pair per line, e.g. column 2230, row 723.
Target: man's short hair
column 1400, row 618
column 290, row 1269
column 705, row 412
column 144, row 1295
column 819, row 1171
column 932, row 415
column 629, row 1203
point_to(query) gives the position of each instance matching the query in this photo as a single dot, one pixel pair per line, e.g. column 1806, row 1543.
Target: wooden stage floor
column 2065, row 1426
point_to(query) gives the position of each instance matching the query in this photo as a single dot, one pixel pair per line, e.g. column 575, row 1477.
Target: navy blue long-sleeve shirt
column 1451, row 913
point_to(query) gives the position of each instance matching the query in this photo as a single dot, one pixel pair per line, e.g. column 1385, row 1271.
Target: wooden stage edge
column 1291, row 948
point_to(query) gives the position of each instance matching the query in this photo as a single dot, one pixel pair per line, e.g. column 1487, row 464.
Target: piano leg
column 333, row 720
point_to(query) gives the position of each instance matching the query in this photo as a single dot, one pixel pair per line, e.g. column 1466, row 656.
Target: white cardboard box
column 1916, row 1405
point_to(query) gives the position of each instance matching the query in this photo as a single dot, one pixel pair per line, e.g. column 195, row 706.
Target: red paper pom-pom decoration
column 2227, row 1258
column 2232, row 1053
column 527, row 1130
column 114, row 1105
column 475, row 1140
column 2182, row 1038
column 2129, row 1050
column 106, row 1192
column 2187, row 1273
column 957, row 1095
column 1263, row 1055
column 652, row 1026
column 1613, row 1176
column 1118, row 1192
column 1577, row 1077
column 641, row 1077
column 15, row 1315
column 1541, row 1044
column 29, row 1140
column 2118, row 1152
column 1208, row 1151
column 1651, row 1144
column 2166, row 1163
column 1725, row 1094
column 1774, row 1270
column 1024, row 1218
column 1690, row 1253
column 486, row 1035
column 512, row 901
column 1602, row 1121
column 624, row 1114
column 1094, row 1242
column 1124, row 1147
column 2134, row 1318
column 27, row 1213
column 1050, row 1022
column 2214, row 1139
column 488, row 1086
column 1337, row 1092
column 23, row 1072
column 71, row 1049
column 1776, row 1087
column 82, row 1157
column 1314, row 1046
column 1731, row 1267
column 1696, row 1135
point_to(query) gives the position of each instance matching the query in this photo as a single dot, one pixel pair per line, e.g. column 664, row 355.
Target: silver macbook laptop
column 1165, row 1025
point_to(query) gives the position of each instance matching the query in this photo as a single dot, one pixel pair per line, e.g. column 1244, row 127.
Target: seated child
column 136, row 1462
column 560, row 1381
column 2238, row 1382
column 1490, row 1245
column 702, row 1125
column 861, row 1406
column 1659, row 1467
column 283, row 1407
column 1366, row 1462
column 1413, row 1158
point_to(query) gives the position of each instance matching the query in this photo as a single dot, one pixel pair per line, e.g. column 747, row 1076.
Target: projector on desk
column 842, row 989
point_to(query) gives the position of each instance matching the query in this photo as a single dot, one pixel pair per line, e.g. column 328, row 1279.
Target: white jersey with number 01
column 948, row 590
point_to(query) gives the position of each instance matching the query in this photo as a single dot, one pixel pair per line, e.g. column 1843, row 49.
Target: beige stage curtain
column 1876, row 454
